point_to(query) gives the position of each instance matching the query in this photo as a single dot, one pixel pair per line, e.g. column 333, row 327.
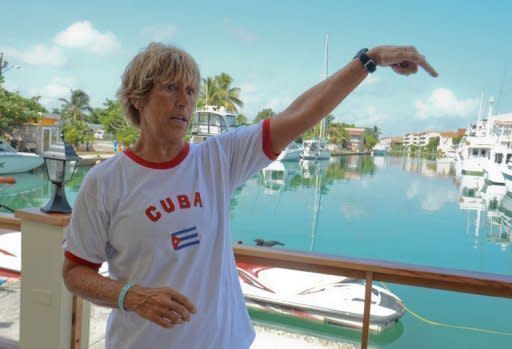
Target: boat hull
column 18, row 162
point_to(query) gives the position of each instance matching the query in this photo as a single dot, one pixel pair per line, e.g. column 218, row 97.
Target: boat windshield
column 208, row 123
column 231, row 119
column 5, row 147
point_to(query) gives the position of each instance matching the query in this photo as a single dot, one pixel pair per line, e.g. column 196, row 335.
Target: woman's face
column 167, row 112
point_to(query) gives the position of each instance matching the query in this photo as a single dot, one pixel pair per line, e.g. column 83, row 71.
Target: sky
column 274, row 50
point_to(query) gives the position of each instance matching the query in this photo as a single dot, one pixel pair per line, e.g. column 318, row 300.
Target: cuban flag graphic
column 184, row 238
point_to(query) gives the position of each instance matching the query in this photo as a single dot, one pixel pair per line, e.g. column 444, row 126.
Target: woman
column 158, row 213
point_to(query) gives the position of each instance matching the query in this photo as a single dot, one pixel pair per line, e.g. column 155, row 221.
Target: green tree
column 263, row 114
column 432, row 145
column 74, row 115
column 77, row 107
column 337, row 134
column 241, row 119
column 218, row 91
column 114, row 122
column 16, row 110
column 370, row 140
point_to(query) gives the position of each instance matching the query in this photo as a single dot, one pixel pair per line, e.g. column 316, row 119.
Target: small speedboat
column 331, row 299
column 12, row 161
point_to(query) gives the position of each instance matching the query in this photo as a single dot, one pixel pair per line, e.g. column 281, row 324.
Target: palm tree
column 218, row 91
column 77, row 107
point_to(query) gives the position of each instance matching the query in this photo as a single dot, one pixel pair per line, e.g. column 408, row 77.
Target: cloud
column 38, row 55
column 159, row 32
column 351, row 211
column 59, row 87
column 82, row 35
column 432, row 198
column 443, row 103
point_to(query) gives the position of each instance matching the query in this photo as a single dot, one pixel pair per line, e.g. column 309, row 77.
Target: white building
column 420, row 139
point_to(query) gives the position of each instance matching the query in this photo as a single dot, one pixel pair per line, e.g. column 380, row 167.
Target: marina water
column 404, row 210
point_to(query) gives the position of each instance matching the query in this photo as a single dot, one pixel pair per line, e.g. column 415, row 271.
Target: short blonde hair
column 157, row 63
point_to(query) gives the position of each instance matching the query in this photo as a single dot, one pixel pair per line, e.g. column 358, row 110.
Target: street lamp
column 61, row 161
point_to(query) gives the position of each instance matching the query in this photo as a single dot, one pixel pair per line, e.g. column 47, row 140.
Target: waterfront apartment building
column 420, row 139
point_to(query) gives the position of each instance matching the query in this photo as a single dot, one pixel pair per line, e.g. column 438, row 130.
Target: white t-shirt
column 167, row 224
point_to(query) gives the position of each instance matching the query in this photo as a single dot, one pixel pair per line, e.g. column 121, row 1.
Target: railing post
column 46, row 306
column 367, row 306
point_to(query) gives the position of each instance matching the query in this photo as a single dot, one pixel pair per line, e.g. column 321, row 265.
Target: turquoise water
column 395, row 209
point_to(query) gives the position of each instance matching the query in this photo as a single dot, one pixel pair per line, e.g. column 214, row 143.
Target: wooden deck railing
column 373, row 270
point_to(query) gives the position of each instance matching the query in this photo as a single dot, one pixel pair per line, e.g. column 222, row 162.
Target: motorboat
column 380, row 149
column 12, row 161
column 507, row 176
column 315, row 149
column 292, row 152
column 317, row 297
column 211, row 121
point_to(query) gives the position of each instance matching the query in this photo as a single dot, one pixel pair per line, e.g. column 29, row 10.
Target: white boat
column 380, row 149
column 211, row 121
column 12, row 161
column 317, row 297
column 493, row 169
column 315, row 149
column 507, row 176
column 292, row 152
column 487, row 143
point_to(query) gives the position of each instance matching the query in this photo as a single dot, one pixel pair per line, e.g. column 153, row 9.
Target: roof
column 355, row 130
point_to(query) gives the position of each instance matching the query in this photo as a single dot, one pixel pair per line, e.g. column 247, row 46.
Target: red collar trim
column 159, row 165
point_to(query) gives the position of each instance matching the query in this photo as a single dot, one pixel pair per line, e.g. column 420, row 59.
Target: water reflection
column 484, row 200
column 291, row 175
column 32, row 189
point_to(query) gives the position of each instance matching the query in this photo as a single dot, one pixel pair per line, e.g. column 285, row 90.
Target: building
column 37, row 136
column 355, row 139
column 420, row 139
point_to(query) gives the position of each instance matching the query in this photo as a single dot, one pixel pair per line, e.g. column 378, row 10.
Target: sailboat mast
column 326, row 67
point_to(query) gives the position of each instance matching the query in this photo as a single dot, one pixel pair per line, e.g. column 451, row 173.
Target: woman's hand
column 164, row 306
column 403, row 60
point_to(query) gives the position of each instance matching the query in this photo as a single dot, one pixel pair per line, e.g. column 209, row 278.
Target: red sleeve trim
column 81, row 261
column 267, row 143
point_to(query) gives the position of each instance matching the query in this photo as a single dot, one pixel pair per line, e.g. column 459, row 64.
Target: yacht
column 507, row 176
column 12, row 161
column 315, row 149
column 317, row 297
column 292, row 152
column 211, row 121
column 487, row 146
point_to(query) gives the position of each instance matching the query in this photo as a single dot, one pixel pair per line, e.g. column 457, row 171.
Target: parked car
column 99, row 134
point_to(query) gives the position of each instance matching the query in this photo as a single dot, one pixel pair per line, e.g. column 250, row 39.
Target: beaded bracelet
column 122, row 295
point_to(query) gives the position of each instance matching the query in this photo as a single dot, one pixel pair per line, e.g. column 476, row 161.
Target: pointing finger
column 428, row 68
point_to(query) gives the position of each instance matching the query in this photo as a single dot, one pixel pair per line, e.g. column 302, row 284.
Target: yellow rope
column 439, row 324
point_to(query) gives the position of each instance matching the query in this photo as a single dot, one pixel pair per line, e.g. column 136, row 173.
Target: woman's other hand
column 163, row 306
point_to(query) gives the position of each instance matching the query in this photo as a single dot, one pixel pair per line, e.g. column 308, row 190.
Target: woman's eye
column 190, row 91
column 171, row 87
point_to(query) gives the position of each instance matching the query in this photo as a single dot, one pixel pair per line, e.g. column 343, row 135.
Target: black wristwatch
column 367, row 62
